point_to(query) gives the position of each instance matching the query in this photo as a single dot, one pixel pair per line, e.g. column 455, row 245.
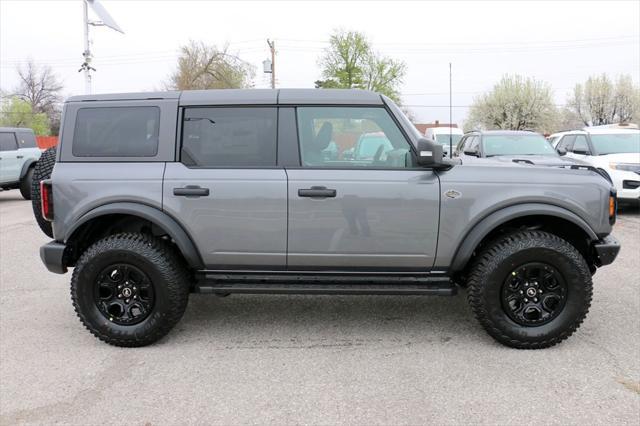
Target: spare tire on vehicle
column 41, row 172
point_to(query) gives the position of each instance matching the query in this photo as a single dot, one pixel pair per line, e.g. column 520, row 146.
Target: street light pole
column 272, row 47
column 86, row 66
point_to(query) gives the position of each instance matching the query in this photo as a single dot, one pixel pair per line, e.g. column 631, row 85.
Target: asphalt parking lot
column 309, row 359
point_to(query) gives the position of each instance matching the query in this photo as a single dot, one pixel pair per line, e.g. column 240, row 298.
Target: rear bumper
column 606, row 250
column 52, row 254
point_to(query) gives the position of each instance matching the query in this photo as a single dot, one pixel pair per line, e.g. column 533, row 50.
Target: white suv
column 18, row 157
column 613, row 149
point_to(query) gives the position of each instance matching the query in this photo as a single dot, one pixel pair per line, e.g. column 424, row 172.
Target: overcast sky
column 560, row 42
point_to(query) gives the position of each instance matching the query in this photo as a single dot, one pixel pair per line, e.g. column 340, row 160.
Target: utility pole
column 86, row 65
column 450, row 116
column 272, row 47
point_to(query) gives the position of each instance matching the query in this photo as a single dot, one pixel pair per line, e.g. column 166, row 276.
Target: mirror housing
column 430, row 154
column 474, row 153
column 561, row 151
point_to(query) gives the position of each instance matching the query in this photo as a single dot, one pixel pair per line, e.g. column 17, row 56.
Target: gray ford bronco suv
column 152, row 196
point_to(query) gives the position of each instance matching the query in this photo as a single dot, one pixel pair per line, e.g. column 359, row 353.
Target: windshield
column 616, row 143
column 443, row 139
column 532, row 144
column 368, row 146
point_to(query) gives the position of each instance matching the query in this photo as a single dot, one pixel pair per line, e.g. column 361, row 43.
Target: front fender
column 153, row 215
column 475, row 235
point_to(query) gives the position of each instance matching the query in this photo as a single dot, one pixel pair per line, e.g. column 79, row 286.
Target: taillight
column 46, row 200
column 613, row 207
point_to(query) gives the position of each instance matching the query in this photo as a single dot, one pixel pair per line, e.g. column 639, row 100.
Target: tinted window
column 351, row 137
column 580, row 144
column 116, row 132
column 516, row 144
column 8, row 142
column 471, row 143
column 26, row 140
column 229, row 137
column 616, row 143
column 566, row 142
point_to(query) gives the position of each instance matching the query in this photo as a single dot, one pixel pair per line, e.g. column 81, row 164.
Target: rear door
column 227, row 190
column 359, row 212
column 9, row 162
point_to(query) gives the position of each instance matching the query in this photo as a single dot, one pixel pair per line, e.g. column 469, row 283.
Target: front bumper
column 606, row 250
column 52, row 256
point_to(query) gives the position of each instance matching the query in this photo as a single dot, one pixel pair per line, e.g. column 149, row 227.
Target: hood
column 538, row 160
column 631, row 157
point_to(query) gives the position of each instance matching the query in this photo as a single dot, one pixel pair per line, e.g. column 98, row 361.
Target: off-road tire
column 489, row 272
column 42, row 171
column 26, row 183
column 156, row 258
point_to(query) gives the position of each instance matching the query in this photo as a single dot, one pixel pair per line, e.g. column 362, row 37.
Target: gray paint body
column 253, row 218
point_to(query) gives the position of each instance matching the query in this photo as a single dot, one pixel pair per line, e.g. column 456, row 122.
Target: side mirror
column 429, row 153
column 474, row 152
column 562, row 151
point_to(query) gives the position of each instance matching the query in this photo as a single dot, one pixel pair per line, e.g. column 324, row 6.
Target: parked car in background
column 614, row 150
column 510, row 146
column 18, row 157
column 445, row 136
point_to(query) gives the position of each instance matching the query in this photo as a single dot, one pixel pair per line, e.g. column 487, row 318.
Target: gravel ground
column 309, row 359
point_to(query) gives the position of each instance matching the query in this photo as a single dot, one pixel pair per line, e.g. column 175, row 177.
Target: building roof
column 248, row 96
column 422, row 127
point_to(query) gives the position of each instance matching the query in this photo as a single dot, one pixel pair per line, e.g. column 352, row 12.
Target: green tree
column 515, row 103
column 601, row 101
column 350, row 62
column 16, row 112
column 202, row 66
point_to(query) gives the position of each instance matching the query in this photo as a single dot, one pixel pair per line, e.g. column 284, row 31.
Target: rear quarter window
column 116, row 132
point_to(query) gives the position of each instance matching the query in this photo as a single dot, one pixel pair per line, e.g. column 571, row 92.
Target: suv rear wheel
column 530, row 289
column 130, row 289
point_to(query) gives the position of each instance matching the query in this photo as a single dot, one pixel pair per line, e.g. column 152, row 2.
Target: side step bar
column 324, row 284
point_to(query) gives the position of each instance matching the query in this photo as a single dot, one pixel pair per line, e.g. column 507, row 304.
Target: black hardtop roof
column 247, row 97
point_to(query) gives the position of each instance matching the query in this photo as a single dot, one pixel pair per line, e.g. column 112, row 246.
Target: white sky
column 560, row 42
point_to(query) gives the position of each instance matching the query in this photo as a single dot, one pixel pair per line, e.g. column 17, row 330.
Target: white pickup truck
column 18, row 157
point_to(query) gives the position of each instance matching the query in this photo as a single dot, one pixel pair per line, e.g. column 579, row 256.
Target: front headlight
column 628, row 167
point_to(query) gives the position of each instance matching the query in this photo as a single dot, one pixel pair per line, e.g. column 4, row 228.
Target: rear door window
column 8, row 142
column 229, row 137
column 580, row 144
column 116, row 132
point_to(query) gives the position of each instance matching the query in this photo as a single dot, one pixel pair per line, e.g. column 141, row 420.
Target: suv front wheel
column 530, row 289
column 130, row 289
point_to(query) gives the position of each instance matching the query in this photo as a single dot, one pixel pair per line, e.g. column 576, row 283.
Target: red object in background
column 45, row 142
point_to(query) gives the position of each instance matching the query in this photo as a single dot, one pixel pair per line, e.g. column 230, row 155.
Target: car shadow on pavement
column 297, row 321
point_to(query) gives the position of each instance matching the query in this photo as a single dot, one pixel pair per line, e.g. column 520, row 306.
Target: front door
column 357, row 202
column 9, row 163
column 227, row 191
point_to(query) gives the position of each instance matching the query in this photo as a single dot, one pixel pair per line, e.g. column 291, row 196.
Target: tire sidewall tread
column 164, row 267
column 505, row 254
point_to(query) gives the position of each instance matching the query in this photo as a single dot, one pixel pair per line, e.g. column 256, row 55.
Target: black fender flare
column 25, row 167
column 153, row 215
column 492, row 221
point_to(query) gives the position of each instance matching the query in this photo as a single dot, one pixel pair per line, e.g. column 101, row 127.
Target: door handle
column 19, row 156
column 191, row 191
column 317, row 192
